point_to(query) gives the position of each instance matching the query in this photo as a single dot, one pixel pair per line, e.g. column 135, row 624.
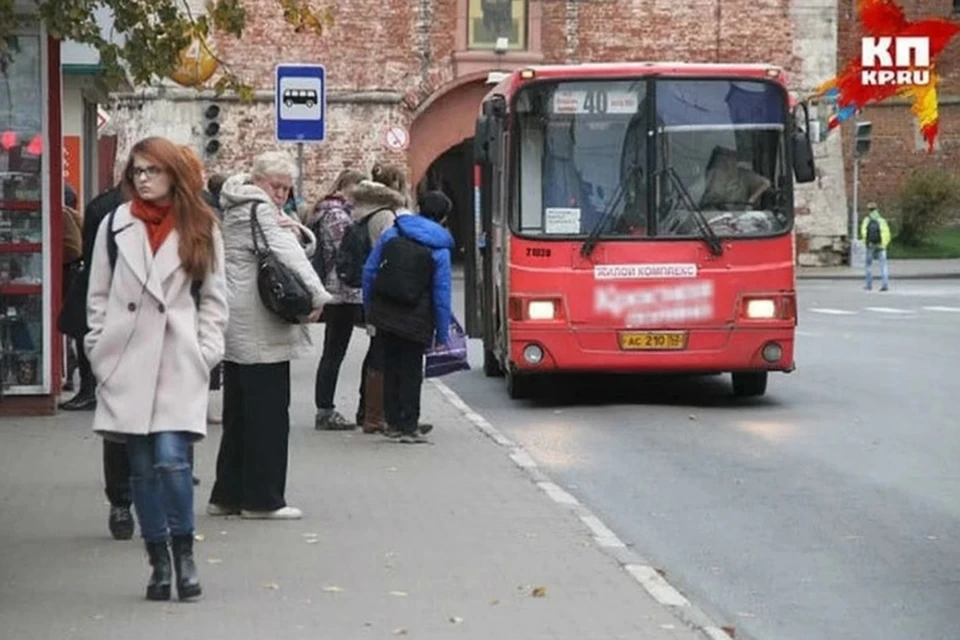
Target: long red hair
column 193, row 218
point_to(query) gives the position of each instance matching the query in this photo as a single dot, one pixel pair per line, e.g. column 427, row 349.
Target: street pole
column 300, row 170
column 856, row 193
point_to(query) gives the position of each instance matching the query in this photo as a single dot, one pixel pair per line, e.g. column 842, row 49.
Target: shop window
column 21, row 216
column 490, row 20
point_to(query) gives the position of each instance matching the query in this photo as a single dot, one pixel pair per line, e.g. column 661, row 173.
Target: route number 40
column 595, row 101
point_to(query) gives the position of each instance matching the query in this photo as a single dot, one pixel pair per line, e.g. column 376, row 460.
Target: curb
column 893, row 276
column 649, row 577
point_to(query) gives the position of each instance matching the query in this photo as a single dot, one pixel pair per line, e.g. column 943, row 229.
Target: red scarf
column 157, row 217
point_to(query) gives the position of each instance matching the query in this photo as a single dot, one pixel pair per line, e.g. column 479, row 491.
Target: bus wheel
column 491, row 366
column 747, row 385
column 519, row 387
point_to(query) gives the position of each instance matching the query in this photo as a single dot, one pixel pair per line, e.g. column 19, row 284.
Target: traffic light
column 211, row 129
column 863, row 138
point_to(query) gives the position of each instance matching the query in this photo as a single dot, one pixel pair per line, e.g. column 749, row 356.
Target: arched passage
column 441, row 151
column 448, row 119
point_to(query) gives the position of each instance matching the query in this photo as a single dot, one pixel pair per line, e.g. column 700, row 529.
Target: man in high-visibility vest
column 875, row 233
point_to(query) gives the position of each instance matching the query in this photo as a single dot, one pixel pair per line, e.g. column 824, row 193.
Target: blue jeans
column 161, row 483
column 881, row 254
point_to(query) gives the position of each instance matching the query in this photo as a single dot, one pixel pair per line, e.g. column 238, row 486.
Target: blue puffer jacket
column 432, row 235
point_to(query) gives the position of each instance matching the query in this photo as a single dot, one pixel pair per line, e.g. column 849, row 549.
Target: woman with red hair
column 157, row 310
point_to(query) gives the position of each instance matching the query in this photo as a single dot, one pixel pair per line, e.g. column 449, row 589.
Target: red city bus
column 637, row 218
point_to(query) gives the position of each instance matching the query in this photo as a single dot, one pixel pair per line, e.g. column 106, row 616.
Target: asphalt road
column 830, row 508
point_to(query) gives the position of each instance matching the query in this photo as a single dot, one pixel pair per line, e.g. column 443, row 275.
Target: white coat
column 150, row 347
column 255, row 335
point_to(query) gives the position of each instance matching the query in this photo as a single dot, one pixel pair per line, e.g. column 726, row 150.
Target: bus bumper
column 598, row 351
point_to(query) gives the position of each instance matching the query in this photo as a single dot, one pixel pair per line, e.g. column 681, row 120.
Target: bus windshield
column 640, row 158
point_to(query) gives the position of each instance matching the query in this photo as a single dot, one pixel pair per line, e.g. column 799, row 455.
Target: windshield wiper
column 591, row 242
column 709, row 235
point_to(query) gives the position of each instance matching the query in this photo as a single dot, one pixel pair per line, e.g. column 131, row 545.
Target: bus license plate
column 653, row 340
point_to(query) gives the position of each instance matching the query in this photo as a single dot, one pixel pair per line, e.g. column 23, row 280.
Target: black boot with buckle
column 188, row 584
column 159, row 586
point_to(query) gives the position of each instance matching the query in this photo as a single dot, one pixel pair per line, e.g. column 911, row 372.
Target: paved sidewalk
column 443, row 541
column 899, row 270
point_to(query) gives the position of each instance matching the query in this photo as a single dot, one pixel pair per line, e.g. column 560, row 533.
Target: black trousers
column 402, row 381
column 252, row 462
column 116, row 473
column 372, row 361
column 340, row 320
column 88, row 384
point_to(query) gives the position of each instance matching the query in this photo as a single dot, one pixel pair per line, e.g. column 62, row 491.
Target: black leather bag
column 281, row 290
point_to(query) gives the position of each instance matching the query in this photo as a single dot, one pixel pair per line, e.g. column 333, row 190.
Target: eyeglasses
column 150, row 172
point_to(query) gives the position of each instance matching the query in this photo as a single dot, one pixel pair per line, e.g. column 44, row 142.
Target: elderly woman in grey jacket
column 252, row 462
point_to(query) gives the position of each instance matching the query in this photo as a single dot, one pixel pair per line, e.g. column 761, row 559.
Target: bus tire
column 749, row 384
column 519, row 387
column 491, row 365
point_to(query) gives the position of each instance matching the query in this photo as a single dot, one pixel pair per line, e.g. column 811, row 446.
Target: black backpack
column 354, row 250
column 874, row 238
column 405, row 272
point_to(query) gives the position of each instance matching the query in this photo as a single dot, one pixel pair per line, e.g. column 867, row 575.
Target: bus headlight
column 541, row 310
column 762, row 309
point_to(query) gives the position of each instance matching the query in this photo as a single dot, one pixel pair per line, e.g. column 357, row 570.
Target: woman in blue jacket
column 408, row 317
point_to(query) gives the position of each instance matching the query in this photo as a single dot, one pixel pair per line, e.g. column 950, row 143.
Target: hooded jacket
column 368, row 196
column 433, row 313
column 254, row 334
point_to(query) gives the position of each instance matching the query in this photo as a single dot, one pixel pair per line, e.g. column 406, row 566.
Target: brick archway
column 447, row 118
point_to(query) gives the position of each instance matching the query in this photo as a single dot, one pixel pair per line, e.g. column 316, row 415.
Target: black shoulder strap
column 111, row 240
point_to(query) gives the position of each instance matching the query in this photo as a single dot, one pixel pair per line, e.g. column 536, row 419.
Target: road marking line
column 557, row 494
column 656, row 586
column 602, row 534
column 891, row 310
column 479, row 421
column 945, row 309
column 523, row 459
column 833, row 312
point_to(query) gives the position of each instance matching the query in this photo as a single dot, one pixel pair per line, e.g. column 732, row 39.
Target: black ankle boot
column 188, row 584
column 159, row 586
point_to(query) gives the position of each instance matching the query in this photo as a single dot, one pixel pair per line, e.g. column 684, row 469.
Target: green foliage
column 929, row 199
column 154, row 32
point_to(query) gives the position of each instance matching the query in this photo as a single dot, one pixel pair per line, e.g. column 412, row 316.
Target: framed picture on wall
column 489, row 20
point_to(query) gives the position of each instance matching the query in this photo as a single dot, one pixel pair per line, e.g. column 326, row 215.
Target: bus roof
column 515, row 79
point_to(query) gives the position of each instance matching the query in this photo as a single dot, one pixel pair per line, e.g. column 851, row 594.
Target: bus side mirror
column 481, row 140
column 803, row 166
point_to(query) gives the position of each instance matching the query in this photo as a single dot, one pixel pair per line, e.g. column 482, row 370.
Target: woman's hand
column 313, row 317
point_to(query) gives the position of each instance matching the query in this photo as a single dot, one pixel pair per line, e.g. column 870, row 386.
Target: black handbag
column 281, row 290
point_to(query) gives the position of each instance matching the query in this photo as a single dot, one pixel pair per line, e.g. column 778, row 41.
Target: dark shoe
column 331, row 420
column 83, row 401
column 884, row 288
column 159, row 586
column 392, row 433
column 188, row 584
column 424, row 428
column 68, row 385
column 120, row 522
column 196, row 481
column 413, row 438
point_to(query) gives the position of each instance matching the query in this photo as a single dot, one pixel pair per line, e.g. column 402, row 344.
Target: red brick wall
column 406, row 47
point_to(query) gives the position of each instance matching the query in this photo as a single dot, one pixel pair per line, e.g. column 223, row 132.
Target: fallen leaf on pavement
column 539, row 592
column 312, row 540
column 199, row 537
column 310, row 535
column 223, row 533
column 98, row 616
column 494, row 603
column 692, row 416
column 391, row 468
column 271, row 585
column 400, row 631
column 333, row 589
column 399, row 594
column 456, row 619
column 214, row 561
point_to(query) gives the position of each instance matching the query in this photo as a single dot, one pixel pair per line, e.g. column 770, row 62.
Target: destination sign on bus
column 595, row 101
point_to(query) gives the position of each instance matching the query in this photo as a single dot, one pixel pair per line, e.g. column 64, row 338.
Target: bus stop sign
column 300, row 103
